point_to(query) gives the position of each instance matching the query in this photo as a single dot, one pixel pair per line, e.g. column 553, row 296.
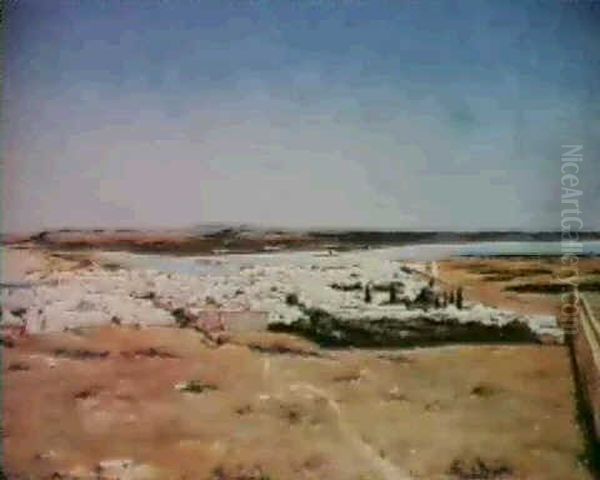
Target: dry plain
column 127, row 401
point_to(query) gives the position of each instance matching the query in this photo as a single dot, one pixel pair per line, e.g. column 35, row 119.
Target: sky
column 322, row 113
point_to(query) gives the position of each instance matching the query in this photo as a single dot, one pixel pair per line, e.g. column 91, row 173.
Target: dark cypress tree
column 367, row 293
column 392, row 292
column 451, row 299
column 459, row 298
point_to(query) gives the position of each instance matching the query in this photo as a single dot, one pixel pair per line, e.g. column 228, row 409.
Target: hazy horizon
column 431, row 115
column 219, row 226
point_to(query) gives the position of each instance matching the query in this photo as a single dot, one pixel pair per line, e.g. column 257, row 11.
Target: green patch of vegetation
column 6, row 342
column 280, row 349
column 501, row 277
column 183, row 318
column 111, row 266
column 347, row 287
column 483, row 390
column 291, row 299
column 347, row 377
column 494, row 274
column 327, row 330
column 479, row 469
column 368, row 296
column 87, row 393
column 549, row 288
column 292, row 413
column 386, row 287
column 589, row 286
column 19, row 312
column 239, row 473
column 520, row 272
column 244, row 410
column 149, row 353
column 196, row 386
column 145, row 296
column 18, row 367
column 554, row 287
column 80, row 354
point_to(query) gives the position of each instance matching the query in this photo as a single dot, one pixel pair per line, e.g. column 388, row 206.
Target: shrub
column 196, row 386
column 368, row 294
column 346, row 287
column 393, row 297
column 291, row 299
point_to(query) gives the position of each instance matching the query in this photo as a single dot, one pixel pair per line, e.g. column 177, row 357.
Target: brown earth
column 269, row 406
column 274, row 407
column 485, row 280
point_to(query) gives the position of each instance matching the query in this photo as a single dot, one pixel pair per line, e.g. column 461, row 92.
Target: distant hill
column 207, row 239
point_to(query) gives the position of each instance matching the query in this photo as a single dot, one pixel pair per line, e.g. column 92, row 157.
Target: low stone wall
column 586, row 343
column 233, row 321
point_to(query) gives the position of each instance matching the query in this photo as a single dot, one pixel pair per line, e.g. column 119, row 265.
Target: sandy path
column 387, row 469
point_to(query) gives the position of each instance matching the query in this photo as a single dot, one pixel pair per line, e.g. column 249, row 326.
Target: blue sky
column 392, row 114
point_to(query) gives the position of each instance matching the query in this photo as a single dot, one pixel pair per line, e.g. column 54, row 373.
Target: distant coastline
column 200, row 240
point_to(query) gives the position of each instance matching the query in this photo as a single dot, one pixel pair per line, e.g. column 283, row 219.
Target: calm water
column 591, row 248
column 232, row 263
column 490, row 249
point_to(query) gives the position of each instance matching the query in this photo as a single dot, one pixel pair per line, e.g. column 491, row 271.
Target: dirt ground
column 485, row 280
column 165, row 403
column 15, row 267
column 266, row 406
